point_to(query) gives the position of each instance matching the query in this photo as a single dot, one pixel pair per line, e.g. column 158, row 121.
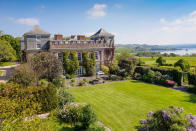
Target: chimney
column 58, row 37
column 80, row 37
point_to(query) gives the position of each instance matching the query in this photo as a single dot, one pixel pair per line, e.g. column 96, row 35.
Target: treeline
column 155, row 53
column 134, row 48
column 9, row 48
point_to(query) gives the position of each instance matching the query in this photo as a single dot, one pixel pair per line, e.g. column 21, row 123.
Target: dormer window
column 38, row 46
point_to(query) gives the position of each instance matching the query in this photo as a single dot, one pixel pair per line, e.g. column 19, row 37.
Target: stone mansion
column 101, row 43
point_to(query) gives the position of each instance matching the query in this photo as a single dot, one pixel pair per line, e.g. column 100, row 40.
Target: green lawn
column 1, row 72
column 6, row 64
column 169, row 60
column 120, row 105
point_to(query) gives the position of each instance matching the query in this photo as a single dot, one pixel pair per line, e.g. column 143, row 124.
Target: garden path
column 7, row 72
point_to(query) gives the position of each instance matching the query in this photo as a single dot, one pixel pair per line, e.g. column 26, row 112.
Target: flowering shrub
column 78, row 114
column 168, row 119
column 170, row 83
column 64, row 97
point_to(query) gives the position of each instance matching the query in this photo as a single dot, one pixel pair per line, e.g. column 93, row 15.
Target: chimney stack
column 58, row 37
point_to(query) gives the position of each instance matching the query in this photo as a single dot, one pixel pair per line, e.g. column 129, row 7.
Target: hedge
column 192, row 78
column 175, row 74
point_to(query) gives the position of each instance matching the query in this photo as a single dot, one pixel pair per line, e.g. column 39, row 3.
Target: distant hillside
column 133, row 48
column 182, row 46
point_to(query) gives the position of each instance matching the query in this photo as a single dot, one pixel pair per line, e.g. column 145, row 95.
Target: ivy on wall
column 70, row 62
column 88, row 63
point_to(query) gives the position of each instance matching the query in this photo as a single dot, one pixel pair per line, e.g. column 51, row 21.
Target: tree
column 114, row 68
column 161, row 61
column 46, row 65
column 24, row 75
column 14, row 42
column 127, row 63
column 70, row 62
column 7, row 53
column 88, row 63
column 184, row 65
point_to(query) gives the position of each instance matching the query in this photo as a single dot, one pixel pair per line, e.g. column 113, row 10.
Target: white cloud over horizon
column 97, row 11
column 181, row 30
column 26, row 21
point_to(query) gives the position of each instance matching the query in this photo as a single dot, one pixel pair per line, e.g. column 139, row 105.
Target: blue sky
column 131, row 21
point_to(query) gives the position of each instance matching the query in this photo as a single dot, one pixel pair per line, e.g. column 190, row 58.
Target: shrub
column 72, row 82
column 24, row 75
column 46, row 65
column 161, row 61
column 168, row 119
column 87, row 117
column 105, row 69
column 43, row 83
column 183, row 64
column 64, row 97
column 157, row 77
column 59, row 82
column 173, row 73
column 114, row 77
column 2, row 85
column 68, row 76
column 192, row 78
column 78, row 114
column 126, row 63
column 113, row 68
column 192, row 88
column 81, row 83
column 85, row 81
column 43, row 98
column 170, row 83
column 151, row 76
column 137, row 76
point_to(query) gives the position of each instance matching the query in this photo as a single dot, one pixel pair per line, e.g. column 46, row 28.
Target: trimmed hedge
column 192, row 78
column 175, row 74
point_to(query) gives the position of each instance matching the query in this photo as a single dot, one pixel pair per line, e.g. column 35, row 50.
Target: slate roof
column 36, row 30
column 102, row 32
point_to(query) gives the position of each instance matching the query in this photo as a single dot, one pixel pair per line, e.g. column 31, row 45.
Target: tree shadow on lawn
column 192, row 98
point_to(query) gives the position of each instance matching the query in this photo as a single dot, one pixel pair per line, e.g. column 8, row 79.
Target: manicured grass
column 6, row 64
column 169, row 60
column 120, row 105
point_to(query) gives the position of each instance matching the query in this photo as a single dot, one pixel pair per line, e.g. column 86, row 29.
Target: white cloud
column 186, row 23
column 162, row 20
column 97, row 11
column 26, row 21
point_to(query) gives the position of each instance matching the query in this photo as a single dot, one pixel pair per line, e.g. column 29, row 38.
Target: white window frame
column 80, row 71
column 37, row 46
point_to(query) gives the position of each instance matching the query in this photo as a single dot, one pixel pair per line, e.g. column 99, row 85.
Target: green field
column 169, row 60
column 120, row 105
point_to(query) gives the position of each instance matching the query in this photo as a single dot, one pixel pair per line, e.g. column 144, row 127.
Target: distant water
column 182, row 51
